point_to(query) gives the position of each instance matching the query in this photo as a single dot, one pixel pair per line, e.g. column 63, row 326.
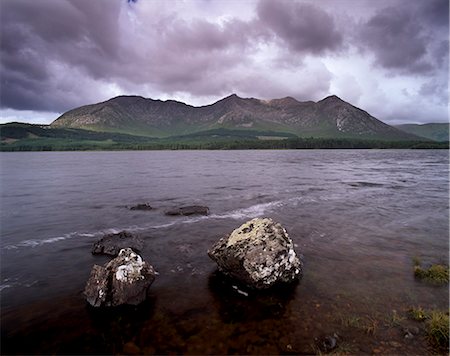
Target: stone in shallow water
column 259, row 253
column 144, row 206
column 189, row 210
column 111, row 244
column 123, row 280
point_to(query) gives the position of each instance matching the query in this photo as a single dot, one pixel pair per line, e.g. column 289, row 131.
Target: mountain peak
column 232, row 96
column 331, row 98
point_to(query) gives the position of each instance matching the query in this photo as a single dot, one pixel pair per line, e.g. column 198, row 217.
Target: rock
column 123, row 280
column 111, row 244
column 408, row 336
column 327, row 343
column 259, row 254
column 189, row 210
column 414, row 330
column 144, row 206
column 410, row 332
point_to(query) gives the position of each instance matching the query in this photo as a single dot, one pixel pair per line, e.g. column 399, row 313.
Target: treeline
column 222, row 144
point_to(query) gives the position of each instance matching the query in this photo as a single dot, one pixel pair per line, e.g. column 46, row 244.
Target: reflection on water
column 358, row 217
column 236, row 303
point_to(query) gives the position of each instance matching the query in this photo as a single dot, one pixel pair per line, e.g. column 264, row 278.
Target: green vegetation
column 436, row 273
column 26, row 137
column 418, row 314
column 394, row 320
column 368, row 324
column 437, row 329
column 436, row 326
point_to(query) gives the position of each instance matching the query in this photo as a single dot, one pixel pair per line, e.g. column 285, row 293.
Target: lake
column 358, row 217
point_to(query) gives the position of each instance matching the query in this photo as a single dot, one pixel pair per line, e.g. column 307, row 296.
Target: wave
column 34, row 243
column 252, row 211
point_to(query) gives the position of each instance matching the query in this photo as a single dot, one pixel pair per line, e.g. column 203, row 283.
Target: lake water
column 357, row 216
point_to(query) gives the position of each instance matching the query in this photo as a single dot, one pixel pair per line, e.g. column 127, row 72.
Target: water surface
column 357, row 216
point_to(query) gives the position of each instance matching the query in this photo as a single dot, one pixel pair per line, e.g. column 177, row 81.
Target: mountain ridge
column 329, row 117
column 433, row 131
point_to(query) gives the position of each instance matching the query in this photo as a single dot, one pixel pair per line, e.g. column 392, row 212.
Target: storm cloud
column 301, row 26
column 60, row 54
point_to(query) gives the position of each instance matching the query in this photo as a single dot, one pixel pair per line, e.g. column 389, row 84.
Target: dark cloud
column 397, row 40
column 403, row 38
column 435, row 12
column 36, row 35
column 303, row 27
column 83, row 36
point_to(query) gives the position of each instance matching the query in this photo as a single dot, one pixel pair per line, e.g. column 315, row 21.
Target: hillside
column 329, row 118
column 28, row 137
column 433, row 131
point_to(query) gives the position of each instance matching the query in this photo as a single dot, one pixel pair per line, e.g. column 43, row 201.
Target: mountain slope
column 433, row 131
column 330, row 117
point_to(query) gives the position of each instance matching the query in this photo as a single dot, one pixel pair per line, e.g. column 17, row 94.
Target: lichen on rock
column 259, row 253
column 123, row 280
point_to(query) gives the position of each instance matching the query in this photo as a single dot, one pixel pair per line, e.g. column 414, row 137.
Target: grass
column 394, row 320
column 418, row 314
column 436, row 274
column 436, row 326
column 437, row 329
column 367, row 324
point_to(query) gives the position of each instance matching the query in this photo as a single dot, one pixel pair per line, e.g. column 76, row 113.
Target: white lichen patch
column 130, row 271
column 252, row 229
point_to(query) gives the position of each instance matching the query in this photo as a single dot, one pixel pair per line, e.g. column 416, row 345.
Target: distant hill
column 437, row 132
column 28, row 137
column 327, row 118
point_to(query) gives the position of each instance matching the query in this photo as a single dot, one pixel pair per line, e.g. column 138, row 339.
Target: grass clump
column 436, row 274
column 436, row 326
column 437, row 329
column 418, row 314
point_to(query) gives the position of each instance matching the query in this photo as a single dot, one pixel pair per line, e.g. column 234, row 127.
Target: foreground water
column 357, row 216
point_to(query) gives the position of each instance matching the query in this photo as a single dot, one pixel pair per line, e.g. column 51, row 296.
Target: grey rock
column 327, row 343
column 123, row 280
column 259, row 254
column 111, row 244
column 408, row 336
column 97, row 286
column 144, row 206
column 189, row 210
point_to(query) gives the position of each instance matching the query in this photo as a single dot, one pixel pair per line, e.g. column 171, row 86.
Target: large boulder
column 123, row 280
column 111, row 244
column 259, row 254
column 189, row 210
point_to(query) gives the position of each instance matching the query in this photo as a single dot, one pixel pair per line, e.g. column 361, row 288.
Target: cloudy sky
column 389, row 57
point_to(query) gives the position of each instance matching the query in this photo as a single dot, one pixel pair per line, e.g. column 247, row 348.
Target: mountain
column 330, row 117
column 434, row 131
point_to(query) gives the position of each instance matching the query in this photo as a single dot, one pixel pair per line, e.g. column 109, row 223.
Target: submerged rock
column 259, row 253
column 144, row 206
column 123, row 280
column 189, row 210
column 327, row 343
column 111, row 244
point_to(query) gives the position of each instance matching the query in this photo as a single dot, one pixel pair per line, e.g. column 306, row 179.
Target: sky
column 388, row 57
